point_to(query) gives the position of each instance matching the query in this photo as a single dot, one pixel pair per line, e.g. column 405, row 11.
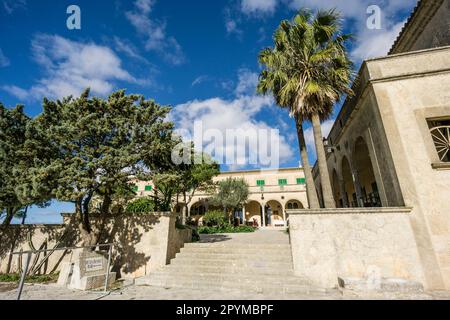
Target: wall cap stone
column 342, row 211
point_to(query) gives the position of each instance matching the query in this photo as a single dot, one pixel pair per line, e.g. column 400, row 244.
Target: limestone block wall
column 142, row 244
column 352, row 243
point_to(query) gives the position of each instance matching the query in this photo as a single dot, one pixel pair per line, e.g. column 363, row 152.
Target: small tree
column 232, row 194
column 99, row 145
column 22, row 153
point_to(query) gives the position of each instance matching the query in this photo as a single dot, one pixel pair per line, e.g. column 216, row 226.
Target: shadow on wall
column 16, row 238
column 141, row 243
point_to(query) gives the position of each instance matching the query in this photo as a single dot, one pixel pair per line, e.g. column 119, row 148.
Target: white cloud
column 376, row 43
column 20, row 93
column 219, row 115
column 369, row 43
column 154, row 32
column 12, row 5
column 69, row 67
column 258, row 6
column 199, row 80
column 4, row 61
column 126, row 47
column 247, row 82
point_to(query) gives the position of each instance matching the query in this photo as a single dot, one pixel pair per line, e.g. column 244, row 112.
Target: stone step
column 181, row 268
column 163, row 275
column 273, row 285
column 253, row 256
column 286, row 250
column 241, row 263
column 256, row 246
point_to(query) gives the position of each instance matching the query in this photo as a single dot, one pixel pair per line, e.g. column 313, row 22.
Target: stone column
column 243, row 214
column 357, row 185
column 284, row 215
column 343, row 193
column 263, row 222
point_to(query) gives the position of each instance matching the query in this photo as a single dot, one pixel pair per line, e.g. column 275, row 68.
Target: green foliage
column 100, row 143
column 232, row 193
column 308, row 69
column 44, row 278
column 182, row 180
column 195, row 235
column 215, row 218
column 225, row 229
column 141, row 206
column 21, row 151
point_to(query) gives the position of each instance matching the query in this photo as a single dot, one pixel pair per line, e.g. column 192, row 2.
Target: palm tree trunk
column 328, row 198
column 311, row 193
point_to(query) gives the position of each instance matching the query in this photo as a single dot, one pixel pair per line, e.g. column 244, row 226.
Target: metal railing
column 28, row 254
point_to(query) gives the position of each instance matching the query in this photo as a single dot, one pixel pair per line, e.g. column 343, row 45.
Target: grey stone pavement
column 132, row 292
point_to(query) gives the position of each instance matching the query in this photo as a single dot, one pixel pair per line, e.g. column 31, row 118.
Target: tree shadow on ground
column 210, row 238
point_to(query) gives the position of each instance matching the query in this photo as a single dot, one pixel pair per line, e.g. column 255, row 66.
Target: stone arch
column 277, row 215
column 349, row 186
column 294, row 204
column 253, row 211
column 197, row 209
column 365, row 172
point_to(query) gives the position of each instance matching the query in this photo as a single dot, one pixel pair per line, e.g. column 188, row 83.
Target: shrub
column 225, row 229
column 141, row 205
column 215, row 218
column 43, row 278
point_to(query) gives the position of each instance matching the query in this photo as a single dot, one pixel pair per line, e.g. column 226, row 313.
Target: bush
column 215, row 218
column 141, row 205
column 225, row 229
column 43, row 278
column 195, row 235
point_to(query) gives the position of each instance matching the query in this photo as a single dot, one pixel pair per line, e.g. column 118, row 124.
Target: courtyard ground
column 132, row 292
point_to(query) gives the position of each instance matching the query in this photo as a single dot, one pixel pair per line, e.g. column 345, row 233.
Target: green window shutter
column 134, row 188
column 301, row 180
column 282, row 182
column 260, row 183
column 148, row 188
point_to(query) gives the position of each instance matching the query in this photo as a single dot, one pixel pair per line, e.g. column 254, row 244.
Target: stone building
column 272, row 192
column 390, row 143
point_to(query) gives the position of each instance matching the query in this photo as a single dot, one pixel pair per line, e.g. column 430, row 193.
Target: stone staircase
column 240, row 262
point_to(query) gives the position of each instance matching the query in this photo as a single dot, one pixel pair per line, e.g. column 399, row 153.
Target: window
column 260, row 183
column 134, row 188
column 148, row 188
column 440, row 133
column 301, row 180
column 282, row 182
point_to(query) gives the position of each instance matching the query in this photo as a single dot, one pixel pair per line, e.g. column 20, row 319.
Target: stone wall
column 353, row 243
column 142, row 243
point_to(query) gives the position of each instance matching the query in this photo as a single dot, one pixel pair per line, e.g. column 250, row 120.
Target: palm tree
column 308, row 71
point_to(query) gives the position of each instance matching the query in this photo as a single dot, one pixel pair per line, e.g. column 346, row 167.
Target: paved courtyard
column 132, row 292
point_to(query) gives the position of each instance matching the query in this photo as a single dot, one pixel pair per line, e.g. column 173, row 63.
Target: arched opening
column 274, row 213
column 349, row 187
column 253, row 212
column 178, row 209
column 366, row 177
column 294, row 204
column 336, row 190
column 197, row 212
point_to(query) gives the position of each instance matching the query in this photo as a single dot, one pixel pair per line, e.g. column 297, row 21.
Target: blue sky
column 198, row 56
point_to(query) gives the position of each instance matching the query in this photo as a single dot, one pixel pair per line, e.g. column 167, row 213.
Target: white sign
column 94, row 264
